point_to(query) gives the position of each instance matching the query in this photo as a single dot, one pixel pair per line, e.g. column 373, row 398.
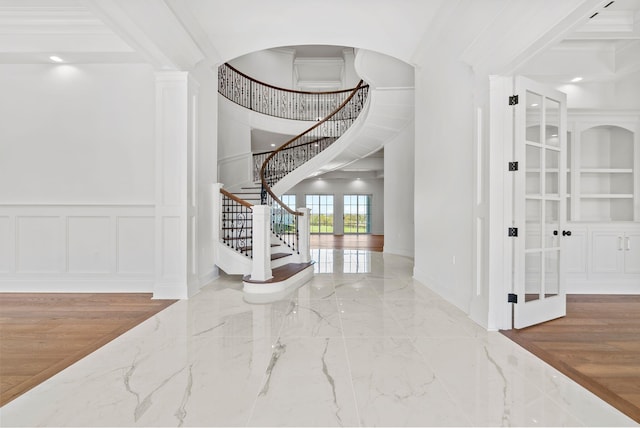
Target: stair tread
column 281, row 273
column 251, row 247
column 276, row 256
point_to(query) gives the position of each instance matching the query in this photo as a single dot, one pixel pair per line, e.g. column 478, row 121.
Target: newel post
column 261, row 264
column 216, row 197
column 304, row 234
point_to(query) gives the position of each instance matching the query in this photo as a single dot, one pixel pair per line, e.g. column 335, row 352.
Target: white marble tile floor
column 362, row 344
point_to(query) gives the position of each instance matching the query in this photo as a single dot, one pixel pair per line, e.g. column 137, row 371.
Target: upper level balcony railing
column 270, row 100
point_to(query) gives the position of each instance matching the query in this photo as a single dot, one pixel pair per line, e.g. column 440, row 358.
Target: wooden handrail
column 285, row 89
column 291, row 141
column 237, row 199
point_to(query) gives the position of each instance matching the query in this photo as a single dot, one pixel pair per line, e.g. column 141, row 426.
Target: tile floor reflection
column 361, row 344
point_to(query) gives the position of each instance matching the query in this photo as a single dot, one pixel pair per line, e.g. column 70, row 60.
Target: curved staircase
column 258, row 235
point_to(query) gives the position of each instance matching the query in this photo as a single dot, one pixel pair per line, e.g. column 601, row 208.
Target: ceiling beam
column 151, row 28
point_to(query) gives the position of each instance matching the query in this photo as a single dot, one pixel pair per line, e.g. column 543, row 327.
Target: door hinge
column 513, row 166
column 513, row 100
column 512, row 298
column 513, row 232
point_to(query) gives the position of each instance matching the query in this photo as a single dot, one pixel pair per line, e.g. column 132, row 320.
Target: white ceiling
column 603, row 48
column 489, row 35
column 33, row 30
column 178, row 34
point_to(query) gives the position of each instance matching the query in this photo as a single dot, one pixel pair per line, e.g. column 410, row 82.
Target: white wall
column 272, row 66
column 399, row 192
column 367, row 185
column 77, row 177
column 627, row 92
column 444, row 178
column 234, row 143
column 76, row 133
column 235, row 123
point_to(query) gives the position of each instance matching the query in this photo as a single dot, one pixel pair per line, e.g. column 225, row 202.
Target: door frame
column 501, row 152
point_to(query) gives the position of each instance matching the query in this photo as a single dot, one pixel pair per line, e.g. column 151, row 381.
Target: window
column 357, row 214
column 321, row 213
column 289, row 200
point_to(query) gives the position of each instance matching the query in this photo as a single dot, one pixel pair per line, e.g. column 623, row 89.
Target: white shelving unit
column 603, row 167
column 603, row 186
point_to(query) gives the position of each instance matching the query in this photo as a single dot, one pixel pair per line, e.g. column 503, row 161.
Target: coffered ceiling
column 33, row 30
column 179, row 34
column 605, row 47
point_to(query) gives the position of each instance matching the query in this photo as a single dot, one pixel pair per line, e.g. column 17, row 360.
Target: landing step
column 252, row 188
column 246, row 193
column 251, row 248
column 281, row 273
column 277, row 256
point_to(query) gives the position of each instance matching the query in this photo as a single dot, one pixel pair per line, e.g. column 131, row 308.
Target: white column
column 216, row 198
column 261, row 264
column 304, row 234
column 176, row 188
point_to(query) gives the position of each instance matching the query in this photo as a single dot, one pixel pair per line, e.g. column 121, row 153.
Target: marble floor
column 361, row 344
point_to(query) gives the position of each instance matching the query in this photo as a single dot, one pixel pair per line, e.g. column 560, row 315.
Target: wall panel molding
column 76, row 248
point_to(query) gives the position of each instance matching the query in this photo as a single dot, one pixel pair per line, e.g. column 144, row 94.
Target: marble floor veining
column 362, row 344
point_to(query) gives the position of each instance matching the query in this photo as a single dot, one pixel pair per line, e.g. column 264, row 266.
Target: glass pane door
column 540, row 134
column 321, row 220
column 357, row 214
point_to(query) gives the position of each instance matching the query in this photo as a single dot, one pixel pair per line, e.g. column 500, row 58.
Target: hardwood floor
column 597, row 344
column 42, row 334
column 352, row 242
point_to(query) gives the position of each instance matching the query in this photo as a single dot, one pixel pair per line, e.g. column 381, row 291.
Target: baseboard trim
column 212, row 275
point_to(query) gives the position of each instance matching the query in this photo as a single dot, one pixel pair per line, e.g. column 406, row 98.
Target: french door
column 540, row 199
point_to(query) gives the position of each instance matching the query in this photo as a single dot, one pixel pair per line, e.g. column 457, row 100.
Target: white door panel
column 632, row 252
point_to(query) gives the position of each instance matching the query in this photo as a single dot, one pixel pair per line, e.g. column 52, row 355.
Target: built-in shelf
column 602, row 180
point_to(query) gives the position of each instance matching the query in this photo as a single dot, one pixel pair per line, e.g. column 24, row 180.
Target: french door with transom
column 539, row 210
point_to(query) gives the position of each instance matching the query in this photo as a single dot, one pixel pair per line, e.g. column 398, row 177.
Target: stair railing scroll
column 273, row 101
column 297, row 151
column 236, row 223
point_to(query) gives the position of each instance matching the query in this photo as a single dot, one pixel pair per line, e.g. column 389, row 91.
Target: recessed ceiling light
column 576, row 79
column 554, row 135
column 534, row 105
column 273, row 145
column 55, row 58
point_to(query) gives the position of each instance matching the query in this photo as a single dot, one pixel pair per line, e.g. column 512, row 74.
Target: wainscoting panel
column 89, row 246
column 77, row 248
column 6, row 244
column 136, row 237
column 40, row 244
